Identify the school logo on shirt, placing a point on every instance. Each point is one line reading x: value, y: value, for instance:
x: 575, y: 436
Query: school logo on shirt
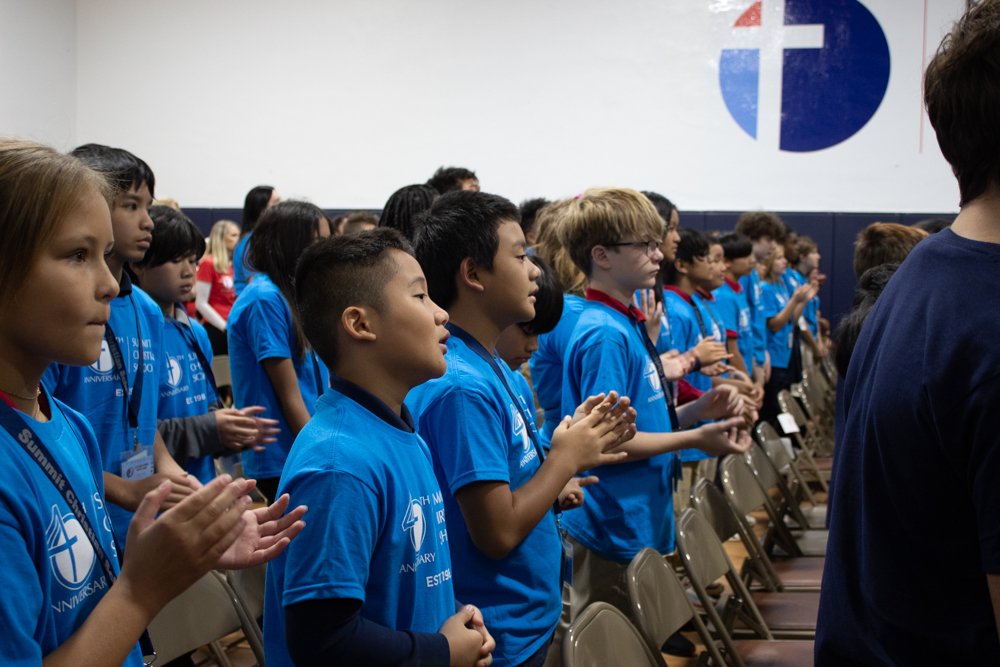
x: 519, y: 429
x: 70, y: 553
x: 227, y: 282
x: 744, y: 320
x: 104, y: 363
x: 415, y: 523
x: 175, y: 370
x: 652, y: 376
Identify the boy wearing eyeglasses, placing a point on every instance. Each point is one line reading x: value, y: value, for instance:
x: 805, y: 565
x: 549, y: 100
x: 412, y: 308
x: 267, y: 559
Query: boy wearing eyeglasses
x: 613, y: 235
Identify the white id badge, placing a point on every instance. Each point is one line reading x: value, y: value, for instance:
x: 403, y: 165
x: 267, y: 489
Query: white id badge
x: 567, y: 547
x: 787, y: 422
x: 137, y: 464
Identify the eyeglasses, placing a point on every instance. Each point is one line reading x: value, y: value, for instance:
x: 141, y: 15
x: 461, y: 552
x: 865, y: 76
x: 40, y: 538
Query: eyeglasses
x: 651, y: 246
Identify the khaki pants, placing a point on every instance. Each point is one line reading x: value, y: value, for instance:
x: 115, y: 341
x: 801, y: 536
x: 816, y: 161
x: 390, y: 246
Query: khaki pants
x: 691, y: 473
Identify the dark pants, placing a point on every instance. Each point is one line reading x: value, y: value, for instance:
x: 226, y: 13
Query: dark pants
x: 538, y: 657
x: 269, y: 488
x: 781, y: 378
x: 218, y: 339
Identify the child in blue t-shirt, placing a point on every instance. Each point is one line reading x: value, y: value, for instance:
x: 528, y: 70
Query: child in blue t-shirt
x: 192, y: 421
x: 271, y: 361
x: 118, y: 393
x: 782, y: 309
x: 500, y: 489
x: 370, y: 579
x: 765, y: 230
x: 614, y: 236
x: 66, y: 599
x: 257, y: 201
x: 732, y: 304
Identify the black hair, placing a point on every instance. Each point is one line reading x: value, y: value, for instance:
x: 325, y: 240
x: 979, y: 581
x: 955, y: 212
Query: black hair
x: 122, y: 169
x: 340, y: 272
x: 460, y: 224
x: 447, y: 179
x: 693, y: 244
x: 933, y: 225
x: 174, y: 238
x: 529, y: 209
x: 404, y: 205
x: 254, y: 204
x: 872, y: 282
x: 283, y: 233
x: 736, y: 245
x: 663, y: 206
x: 548, y: 300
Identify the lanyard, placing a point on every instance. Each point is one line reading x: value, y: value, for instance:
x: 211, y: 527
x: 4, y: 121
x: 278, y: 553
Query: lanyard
x: 206, y: 365
x: 710, y: 314
x: 478, y: 348
x: 22, y: 433
x: 133, y: 400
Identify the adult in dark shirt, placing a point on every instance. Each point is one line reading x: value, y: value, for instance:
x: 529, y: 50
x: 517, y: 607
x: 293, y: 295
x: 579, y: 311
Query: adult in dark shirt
x: 912, y: 571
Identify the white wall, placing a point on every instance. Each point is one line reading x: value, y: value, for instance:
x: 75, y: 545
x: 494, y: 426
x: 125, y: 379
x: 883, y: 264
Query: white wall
x: 38, y: 70
x: 342, y: 102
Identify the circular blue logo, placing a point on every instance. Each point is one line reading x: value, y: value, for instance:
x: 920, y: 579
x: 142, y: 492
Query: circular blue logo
x: 834, y: 71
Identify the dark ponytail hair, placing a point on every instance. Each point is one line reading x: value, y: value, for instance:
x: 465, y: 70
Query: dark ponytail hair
x: 872, y: 282
x: 283, y: 233
x: 253, y: 206
x: 404, y: 205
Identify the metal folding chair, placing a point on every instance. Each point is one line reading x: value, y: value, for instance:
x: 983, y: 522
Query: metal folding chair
x: 603, y: 637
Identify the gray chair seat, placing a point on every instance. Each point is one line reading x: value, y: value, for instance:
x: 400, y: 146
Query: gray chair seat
x: 799, y: 572
x: 787, y: 612
x: 762, y: 653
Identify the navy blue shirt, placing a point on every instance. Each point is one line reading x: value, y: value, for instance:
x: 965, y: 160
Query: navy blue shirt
x: 916, y: 521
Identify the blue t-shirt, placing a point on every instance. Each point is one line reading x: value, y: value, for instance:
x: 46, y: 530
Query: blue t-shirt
x: 96, y: 390
x: 917, y: 470
x: 632, y: 507
x: 683, y: 331
x: 547, y: 366
x: 477, y: 434
x: 260, y: 327
x: 376, y: 530
x: 794, y: 280
x: 779, y: 343
x: 51, y: 575
x: 734, y: 315
x: 755, y: 297
x: 241, y: 274
x: 185, y: 390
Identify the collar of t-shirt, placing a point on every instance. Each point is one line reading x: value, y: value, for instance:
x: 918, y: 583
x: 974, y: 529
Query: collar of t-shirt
x: 369, y: 401
x: 679, y: 292
x: 629, y: 311
x: 125, y: 286
x: 706, y: 296
x: 735, y: 286
x: 180, y: 315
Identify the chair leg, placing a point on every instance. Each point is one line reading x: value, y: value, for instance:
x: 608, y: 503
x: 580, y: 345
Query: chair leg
x: 220, y: 654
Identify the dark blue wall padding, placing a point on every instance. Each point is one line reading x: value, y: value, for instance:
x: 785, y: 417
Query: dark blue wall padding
x: 834, y: 233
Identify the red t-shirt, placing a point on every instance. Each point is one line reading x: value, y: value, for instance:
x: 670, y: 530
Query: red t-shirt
x: 222, y: 296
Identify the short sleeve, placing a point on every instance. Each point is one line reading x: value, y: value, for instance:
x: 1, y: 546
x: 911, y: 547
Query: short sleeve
x: 206, y: 271
x: 201, y: 338
x: 729, y: 314
x: 469, y: 437
x: 978, y: 426
x: 772, y: 306
x: 269, y: 328
x: 343, y: 511
x: 19, y: 612
x: 604, y: 368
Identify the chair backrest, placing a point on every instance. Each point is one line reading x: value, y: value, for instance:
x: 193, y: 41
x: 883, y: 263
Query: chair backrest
x: 788, y: 404
x: 703, y: 554
x: 660, y: 605
x: 250, y: 584
x: 708, y: 501
x: 762, y: 467
x: 220, y: 369
x: 771, y: 443
x: 740, y: 486
x: 200, y: 615
x: 603, y: 637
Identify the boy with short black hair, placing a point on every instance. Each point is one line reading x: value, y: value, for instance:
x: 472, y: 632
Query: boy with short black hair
x: 499, y: 487
x: 449, y: 179
x: 765, y: 230
x: 191, y: 420
x: 614, y: 236
x: 119, y: 393
x: 370, y: 579
x: 921, y: 395
x: 734, y: 309
x: 529, y: 211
